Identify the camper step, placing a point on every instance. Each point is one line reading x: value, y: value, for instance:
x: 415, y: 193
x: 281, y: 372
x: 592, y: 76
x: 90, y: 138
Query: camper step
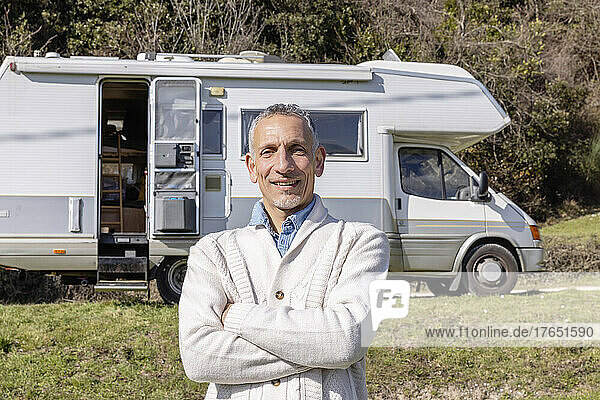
x: 122, y: 265
x: 120, y: 285
x: 123, y: 238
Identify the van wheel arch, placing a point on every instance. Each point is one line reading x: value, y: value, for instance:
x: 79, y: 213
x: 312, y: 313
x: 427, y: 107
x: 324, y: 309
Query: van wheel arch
x: 492, y: 240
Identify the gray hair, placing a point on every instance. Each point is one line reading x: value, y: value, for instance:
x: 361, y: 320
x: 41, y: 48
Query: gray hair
x: 284, y: 109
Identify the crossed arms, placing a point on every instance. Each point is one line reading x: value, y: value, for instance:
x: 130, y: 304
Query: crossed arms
x: 259, y: 342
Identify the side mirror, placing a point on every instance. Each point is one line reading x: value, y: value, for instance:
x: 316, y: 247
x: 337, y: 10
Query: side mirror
x: 479, y: 191
x: 483, y: 185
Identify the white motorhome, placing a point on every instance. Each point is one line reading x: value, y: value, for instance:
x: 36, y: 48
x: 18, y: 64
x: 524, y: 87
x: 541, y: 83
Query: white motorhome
x: 111, y: 169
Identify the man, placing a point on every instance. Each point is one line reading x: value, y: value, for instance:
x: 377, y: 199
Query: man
x: 274, y: 310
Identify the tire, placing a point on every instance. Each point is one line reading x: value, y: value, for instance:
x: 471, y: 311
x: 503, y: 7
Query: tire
x: 441, y: 287
x: 491, y: 270
x: 169, y: 279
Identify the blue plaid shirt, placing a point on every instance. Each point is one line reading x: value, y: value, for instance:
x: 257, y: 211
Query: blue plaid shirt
x: 289, y: 228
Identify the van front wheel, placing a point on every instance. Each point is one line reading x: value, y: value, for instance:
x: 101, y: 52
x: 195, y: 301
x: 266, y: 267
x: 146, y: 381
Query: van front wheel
x: 491, y: 269
x: 169, y: 279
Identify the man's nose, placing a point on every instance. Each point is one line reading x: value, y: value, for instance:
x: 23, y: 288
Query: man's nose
x: 284, y: 162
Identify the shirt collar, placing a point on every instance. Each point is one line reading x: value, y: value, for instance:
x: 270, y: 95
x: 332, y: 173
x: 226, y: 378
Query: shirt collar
x: 260, y: 217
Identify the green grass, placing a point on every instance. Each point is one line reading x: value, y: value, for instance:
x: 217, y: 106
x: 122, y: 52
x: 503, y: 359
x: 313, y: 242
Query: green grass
x: 585, y: 227
x: 129, y: 350
x: 104, y: 350
x: 484, y: 373
x: 510, y: 311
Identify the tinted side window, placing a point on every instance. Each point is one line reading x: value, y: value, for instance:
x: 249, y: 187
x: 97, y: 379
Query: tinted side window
x: 455, y: 178
x: 341, y: 133
x: 212, y: 131
x: 421, y: 172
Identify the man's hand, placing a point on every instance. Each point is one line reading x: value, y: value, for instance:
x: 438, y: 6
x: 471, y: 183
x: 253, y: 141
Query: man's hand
x: 225, y: 313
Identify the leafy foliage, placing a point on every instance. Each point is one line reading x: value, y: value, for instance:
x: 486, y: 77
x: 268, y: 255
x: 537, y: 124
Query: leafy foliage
x: 539, y: 58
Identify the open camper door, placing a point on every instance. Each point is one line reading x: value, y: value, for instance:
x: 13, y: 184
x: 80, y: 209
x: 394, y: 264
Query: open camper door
x: 175, y: 157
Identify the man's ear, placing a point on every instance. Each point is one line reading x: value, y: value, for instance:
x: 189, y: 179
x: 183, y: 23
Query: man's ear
x: 319, y: 161
x: 251, y: 168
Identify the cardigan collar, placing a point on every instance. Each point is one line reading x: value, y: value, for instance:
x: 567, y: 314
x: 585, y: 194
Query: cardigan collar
x: 315, y: 218
x: 260, y: 217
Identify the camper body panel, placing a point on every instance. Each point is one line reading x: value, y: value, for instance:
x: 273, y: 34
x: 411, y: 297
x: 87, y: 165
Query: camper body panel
x: 447, y: 110
x: 360, y: 196
x: 48, y: 129
x: 505, y: 219
x: 48, y: 145
x: 335, y: 187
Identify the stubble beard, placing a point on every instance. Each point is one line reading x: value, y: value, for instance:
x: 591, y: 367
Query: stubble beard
x: 288, y: 203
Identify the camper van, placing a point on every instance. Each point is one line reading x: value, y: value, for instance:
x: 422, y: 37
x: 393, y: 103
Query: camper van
x: 111, y: 169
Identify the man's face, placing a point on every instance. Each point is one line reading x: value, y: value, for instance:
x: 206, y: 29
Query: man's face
x: 284, y: 166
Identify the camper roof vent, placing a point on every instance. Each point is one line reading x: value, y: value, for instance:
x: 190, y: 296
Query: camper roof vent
x: 391, y: 55
x: 153, y: 56
x: 252, y: 56
x: 52, y: 54
x: 174, y: 57
x: 236, y: 60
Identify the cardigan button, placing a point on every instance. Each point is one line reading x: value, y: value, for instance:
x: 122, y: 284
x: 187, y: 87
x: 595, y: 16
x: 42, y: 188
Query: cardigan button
x: 276, y: 382
x: 279, y: 295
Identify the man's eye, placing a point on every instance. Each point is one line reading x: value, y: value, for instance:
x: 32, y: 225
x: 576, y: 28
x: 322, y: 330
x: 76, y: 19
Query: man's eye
x: 299, y: 150
x: 266, y: 152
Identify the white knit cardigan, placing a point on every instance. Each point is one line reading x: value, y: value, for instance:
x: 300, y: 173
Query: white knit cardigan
x: 305, y: 344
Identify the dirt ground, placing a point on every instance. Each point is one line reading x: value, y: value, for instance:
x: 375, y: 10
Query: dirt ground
x: 27, y: 288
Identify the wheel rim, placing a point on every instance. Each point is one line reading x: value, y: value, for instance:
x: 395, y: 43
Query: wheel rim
x: 489, y: 271
x: 176, y: 275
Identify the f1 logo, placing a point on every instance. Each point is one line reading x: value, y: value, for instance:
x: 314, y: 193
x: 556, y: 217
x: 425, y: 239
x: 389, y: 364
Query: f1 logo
x: 389, y: 299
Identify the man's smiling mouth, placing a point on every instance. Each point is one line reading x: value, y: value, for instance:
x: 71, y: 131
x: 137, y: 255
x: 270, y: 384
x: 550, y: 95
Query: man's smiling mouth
x: 286, y: 183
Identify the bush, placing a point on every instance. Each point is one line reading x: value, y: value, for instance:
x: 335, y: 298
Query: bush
x: 568, y: 256
x: 29, y: 287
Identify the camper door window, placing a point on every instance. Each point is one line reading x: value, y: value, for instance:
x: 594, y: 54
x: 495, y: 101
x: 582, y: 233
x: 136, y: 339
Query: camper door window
x: 431, y: 173
x: 176, y: 110
x: 340, y: 132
